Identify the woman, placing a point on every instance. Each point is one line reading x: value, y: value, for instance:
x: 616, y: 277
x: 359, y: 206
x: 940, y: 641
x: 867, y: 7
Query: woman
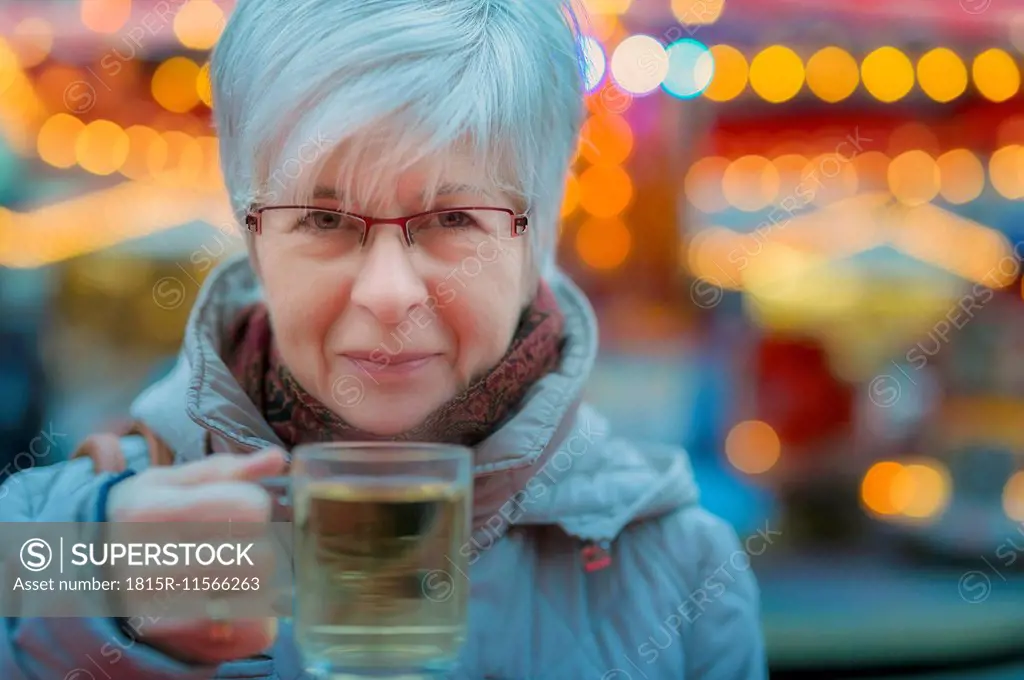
x: 414, y: 296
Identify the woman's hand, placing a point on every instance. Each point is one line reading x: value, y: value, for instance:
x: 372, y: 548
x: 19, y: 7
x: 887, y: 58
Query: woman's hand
x: 215, y: 489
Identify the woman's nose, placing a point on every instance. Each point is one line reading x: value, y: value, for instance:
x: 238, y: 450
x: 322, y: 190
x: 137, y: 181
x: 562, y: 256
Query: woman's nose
x: 388, y: 285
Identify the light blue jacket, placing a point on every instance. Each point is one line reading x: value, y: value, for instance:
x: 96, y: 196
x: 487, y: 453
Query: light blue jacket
x: 678, y: 600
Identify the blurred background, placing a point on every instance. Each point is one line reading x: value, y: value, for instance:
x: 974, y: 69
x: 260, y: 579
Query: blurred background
x: 801, y: 223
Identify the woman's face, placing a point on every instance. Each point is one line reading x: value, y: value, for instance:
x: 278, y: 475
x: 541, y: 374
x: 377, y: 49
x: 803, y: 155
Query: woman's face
x: 385, y: 334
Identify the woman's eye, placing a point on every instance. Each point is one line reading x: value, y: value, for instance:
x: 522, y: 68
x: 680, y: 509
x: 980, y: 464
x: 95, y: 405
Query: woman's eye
x: 324, y: 220
x: 454, y: 220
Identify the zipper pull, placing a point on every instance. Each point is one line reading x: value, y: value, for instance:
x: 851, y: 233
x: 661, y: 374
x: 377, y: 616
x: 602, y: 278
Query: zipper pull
x: 596, y: 555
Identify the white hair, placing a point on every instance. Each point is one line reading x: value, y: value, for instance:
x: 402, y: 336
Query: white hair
x: 397, y: 81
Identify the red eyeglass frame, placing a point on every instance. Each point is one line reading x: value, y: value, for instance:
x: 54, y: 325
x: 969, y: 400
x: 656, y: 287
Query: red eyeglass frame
x: 254, y: 219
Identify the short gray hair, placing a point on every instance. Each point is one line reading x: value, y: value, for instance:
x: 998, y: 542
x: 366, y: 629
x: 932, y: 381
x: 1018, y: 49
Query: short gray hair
x: 293, y: 80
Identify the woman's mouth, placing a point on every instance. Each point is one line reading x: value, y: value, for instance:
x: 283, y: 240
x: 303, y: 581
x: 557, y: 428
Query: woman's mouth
x: 391, y: 365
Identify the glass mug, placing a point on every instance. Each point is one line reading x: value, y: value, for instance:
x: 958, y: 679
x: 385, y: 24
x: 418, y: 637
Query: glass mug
x: 379, y: 565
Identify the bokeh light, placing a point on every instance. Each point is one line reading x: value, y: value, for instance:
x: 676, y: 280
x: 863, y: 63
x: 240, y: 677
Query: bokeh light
x: 777, y: 74
x: 690, y: 69
x: 605, y: 190
x: 32, y: 41
x: 750, y: 183
x: 596, y: 63
x: 887, y: 74
x: 57, y: 139
x: 996, y: 75
x: 184, y: 166
x: 697, y: 12
x: 914, y: 178
x: 1013, y: 497
x: 921, y: 489
x: 963, y: 176
x: 174, y: 85
x: 703, y: 184
x: 730, y: 74
x: 607, y: 6
x: 877, y: 485
x: 872, y: 170
x: 639, y: 64
x: 105, y: 16
x: 606, y: 138
x: 603, y: 244
x: 832, y: 74
x: 1006, y: 171
x: 204, y: 88
x: 942, y: 74
x: 147, y: 153
x: 199, y: 24
x: 753, y: 447
x: 102, y: 147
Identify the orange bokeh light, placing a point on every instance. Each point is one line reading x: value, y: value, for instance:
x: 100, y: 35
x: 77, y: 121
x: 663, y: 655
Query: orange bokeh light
x: 603, y: 244
x: 605, y: 190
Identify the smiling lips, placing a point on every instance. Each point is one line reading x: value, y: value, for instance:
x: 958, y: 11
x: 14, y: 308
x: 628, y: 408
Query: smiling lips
x: 391, y: 364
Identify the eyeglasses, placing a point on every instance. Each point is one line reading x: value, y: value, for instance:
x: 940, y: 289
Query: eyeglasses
x: 439, y: 232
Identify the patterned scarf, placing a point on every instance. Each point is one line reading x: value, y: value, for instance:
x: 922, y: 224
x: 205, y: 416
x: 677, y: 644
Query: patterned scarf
x: 467, y: 419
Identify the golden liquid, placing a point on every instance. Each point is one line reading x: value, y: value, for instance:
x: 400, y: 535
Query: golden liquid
x: 379, y: 572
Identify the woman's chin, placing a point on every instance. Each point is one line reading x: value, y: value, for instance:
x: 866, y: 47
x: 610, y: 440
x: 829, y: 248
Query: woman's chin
x: 384, y: 421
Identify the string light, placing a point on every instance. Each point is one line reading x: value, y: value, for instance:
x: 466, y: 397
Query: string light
x: 690, y: 69
x: 996, y: 75
x: 887, y: 74
x: 942, y: 74
x: 730, y: 74
x: 832, y: 74
x: 777, y: 74
x: 639, y: 64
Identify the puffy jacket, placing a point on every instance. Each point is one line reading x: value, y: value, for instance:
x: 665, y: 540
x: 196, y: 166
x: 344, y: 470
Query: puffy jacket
x: 677, y: 600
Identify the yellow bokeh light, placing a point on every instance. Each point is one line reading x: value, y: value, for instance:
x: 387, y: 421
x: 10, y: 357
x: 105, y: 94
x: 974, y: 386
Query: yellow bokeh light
x: 921, y: 490
x: 829, y: 177
x: 605, y: 190
x: 32, y: 41
x: 184, y: 165
x: 963, y: 176
x: 607, y: 6
x: 603, y: 244
x: 753, y: 447
x: 697, y: 12
x: 204, y: 88
x: 790, y: 167
x: 174, y: 85
x: 872, y: 170
x: 1013, y: 497
x: 730, y: 74
x: 105, y: 16
x: 942, y: 74
x: 1006, y: 171
x: 703, y: 184
x: 147, y: 153
x: 887, y: 74
x: 199, y: 23
x: 714, y: 255
x: 914, y: 178
x: 57, y: 139
x: 639, y: 64
x: 102, y: 147
x: 996, y: 75
x: 876, y: 488
x: 750, y: 183
x: 606, y: 138
x: 777, y: 74
x: 832, y: 74
x: 571, y: 200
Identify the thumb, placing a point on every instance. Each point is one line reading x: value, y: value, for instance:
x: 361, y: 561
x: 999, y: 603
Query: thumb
x: 222, y: 467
